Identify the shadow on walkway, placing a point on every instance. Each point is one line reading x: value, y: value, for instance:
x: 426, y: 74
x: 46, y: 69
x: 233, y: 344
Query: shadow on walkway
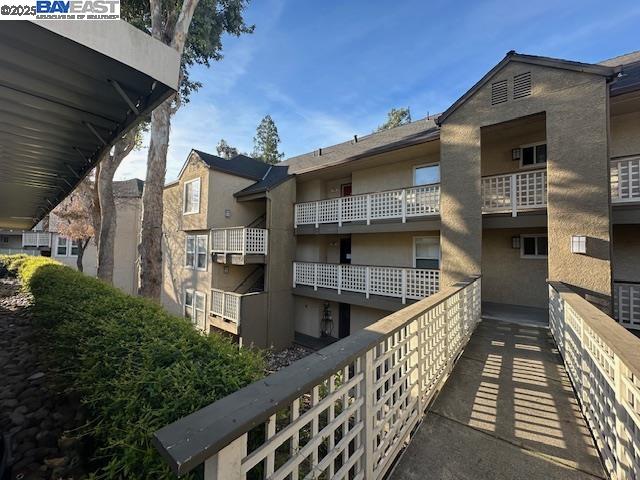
x: 508, y: 411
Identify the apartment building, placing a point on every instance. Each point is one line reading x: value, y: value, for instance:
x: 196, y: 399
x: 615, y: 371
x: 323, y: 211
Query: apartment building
x: 45, y: 240
x: 228, y: 248
x: 531, y: 175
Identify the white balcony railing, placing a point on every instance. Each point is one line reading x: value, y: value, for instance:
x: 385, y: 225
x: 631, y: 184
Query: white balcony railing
x: 625, y: 180
x: 392, y: 204
x: 347, y: 412
x: 226, y: 305
x: 239, y: 240
x: 36, y: 239
x: 602, y: 362
x: 514, y: 192
x: 404, y: 283
x: 18, y: 251
x: 626, y: 305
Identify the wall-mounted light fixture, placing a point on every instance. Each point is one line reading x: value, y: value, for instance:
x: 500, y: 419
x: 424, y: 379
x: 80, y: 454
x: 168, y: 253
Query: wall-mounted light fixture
x: 226, y: 269
x: 515, y: 242
x: 227, y: 213
x: 579, y: 244
x: 515, y: 153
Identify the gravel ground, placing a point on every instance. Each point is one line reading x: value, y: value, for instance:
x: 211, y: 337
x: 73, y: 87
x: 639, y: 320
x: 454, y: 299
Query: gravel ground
x: 31, y: 415
x: 278, y: 360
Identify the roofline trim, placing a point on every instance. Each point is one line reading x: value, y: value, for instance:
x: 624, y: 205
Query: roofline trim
x: 591, y: 68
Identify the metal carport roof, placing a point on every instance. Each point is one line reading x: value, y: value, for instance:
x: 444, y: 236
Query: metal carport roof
x: 68, y: 90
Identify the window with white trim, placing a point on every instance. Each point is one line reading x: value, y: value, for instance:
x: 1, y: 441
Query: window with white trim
x: 426, y: 252
x: 195, y: 307
x: 532, y: 155
x: 196, y: 251
x: 426, y: 174
x: 191, y: 196
x: 534, y: 246
x: 62, y: 246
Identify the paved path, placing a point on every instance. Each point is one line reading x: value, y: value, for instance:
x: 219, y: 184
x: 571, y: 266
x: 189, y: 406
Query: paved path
x: 507, y: 412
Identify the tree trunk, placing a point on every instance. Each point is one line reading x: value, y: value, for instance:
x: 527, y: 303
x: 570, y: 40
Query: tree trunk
x: 108, y: 224
x: 95, y: 211
x: 150, y: 247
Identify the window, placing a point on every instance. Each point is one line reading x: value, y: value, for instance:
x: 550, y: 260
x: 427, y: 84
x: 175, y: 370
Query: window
x: 426, y: 252
x: 533, y: 155
x: 534, y: 246
x: 62, y: 247
x: 194, y: 307
x: 74, y: 248
x: 196, y: 251
x: 191, y: 200
x: 4, y: 239
x: 426, y: 174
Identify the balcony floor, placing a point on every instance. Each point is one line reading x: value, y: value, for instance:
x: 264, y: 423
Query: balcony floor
x: 508, y: 411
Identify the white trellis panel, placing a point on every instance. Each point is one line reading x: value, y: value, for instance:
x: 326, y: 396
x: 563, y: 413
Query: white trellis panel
x: 626, y: 304
x: 352, y: 422
x: 239, y: 240
x: 531, y: 189
x: 226, y: 305
x: 424, y: 200
x: 625, y: 180
x: 605, y: 375
x: 496, y: 193
x: 514, y: 192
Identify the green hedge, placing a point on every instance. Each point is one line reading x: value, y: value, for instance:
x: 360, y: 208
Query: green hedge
x: 135, y: 367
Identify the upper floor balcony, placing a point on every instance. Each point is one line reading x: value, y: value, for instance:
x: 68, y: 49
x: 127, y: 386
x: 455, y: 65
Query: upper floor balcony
x: 625, y: 180
x: 230, y: 309
x: 367, y: 280
x: 514, y: 192
x: 391, y: 205
x: 239, y: 245
x: 36, y: 239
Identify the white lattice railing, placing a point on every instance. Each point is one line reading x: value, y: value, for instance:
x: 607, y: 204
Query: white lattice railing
x: 345, y: 412
x: 226, y: 305
x: 601, y: 358
x: 514, y: 192
x: 36, y: 239
x: 625, y: 180
x: 239, y: 240
x: 626, y: 304
x: 413, y: 283
x: 18, y: 251
x: 392, y: 204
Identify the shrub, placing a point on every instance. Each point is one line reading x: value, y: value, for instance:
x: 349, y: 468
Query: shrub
x: 135, y: 367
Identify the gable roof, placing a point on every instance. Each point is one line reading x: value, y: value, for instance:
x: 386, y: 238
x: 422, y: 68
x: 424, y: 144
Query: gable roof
x: 274, y: 177
x: 413, y: 133
x: 512, y: 56
x: 240, y: 165
x: 629, y: 78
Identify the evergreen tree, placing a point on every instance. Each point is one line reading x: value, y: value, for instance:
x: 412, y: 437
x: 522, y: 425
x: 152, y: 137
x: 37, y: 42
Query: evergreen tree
x: 265, y: 143
x: 395, y: 118
x: 225, y: 150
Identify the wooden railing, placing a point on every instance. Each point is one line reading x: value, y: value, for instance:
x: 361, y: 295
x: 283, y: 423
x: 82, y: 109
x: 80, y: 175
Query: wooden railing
x: 625, y: 180
x: 344, y: 412
x: 239, y: 240
x: 626, y: 304
x: 603, y: 363
x: 401, y: 204
x: 36, y: 239
x: 399, y: 282
x: 226, y: 305
x: 514, y: 192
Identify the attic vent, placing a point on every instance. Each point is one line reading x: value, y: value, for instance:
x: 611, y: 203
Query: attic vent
x: 498, y: 92
x: 522, y: 85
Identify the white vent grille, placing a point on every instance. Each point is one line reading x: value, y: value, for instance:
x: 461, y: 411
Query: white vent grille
x: 522, y: 85
x: 498, y: 92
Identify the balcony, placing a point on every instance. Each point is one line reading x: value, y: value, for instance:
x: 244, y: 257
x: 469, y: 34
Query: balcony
x: 626, y: 305
x: 392, y: 205
x: 514, y: 193
x: 228, y: 309
x: 36, y: 239
x: 239, y: 245
x: 395, y: 282
x: 625, y: 180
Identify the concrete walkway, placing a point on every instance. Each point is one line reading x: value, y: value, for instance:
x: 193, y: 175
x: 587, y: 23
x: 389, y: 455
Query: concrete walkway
x: 507, y: 412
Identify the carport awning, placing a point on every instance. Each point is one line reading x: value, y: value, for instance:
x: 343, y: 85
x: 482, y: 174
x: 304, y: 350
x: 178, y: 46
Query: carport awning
x: 68, y: 90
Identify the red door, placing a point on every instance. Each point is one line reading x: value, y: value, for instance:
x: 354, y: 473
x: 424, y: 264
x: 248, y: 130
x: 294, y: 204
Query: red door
x: 346, y: 190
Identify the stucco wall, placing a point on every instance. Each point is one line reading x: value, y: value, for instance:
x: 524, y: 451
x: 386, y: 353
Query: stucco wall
x: 625, y: 134
x: 626, y: 253
x: 362, y: 317
x: 220, y: 197
x: 576, y: 107
x: 385, y: 249
x: 307, y: 315
x: 508, y: 278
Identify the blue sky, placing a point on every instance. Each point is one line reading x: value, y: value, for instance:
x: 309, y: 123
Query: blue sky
x: 326, y: 70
